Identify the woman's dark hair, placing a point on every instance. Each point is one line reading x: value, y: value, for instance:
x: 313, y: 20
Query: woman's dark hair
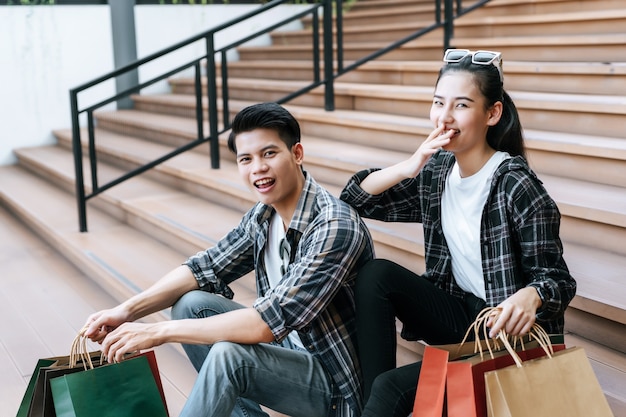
x: 507, y: 134
x: 266, y: 116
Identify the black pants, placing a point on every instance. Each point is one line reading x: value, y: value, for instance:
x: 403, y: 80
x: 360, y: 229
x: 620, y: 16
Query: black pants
x: 384, y: 291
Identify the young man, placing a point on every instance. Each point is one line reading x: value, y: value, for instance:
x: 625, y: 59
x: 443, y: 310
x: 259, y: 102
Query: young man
x: 294, y: 351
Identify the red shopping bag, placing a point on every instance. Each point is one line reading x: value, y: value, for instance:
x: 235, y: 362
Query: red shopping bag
x: 431, y: 383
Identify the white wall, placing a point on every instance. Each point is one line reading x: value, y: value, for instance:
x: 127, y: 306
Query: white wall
x: 47, y: 50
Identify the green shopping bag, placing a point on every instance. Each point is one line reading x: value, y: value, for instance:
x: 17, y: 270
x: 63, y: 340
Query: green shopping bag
x: 123, y: 389
x: 28, y: 395
x: 37, y: 399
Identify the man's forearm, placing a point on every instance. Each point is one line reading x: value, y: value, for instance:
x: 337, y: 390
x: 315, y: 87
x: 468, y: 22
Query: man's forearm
x: 162, y: 294
x: 244, y: 326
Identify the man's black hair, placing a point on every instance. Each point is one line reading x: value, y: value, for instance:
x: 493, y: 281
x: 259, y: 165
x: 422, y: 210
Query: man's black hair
x: 267, y: 116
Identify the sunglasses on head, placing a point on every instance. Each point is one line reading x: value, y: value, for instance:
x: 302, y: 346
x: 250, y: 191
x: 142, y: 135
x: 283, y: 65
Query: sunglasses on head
x: 478, y: 57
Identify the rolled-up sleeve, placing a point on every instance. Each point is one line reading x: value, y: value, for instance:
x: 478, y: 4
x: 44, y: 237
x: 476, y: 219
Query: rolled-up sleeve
x: 231, y: 258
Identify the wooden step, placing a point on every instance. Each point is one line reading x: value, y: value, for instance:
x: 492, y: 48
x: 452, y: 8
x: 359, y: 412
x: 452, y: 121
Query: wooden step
x: 610, y: 302
x: 596, y: 303
x: 361, y: 5
x: 597, y: 158
x: 575, y: 48
x: 573, y: 22
x: 540, y: 7
x: 139, y: 215
x: 607, y: 78
x: 390, y: 14
x: 48, y: 312
x: 384, y: 32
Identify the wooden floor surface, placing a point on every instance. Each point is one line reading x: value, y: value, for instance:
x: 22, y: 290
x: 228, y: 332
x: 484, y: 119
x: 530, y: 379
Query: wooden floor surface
x: 44, y: 301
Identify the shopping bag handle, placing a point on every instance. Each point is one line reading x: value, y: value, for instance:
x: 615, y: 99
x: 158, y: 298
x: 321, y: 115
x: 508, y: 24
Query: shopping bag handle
x: 502, y: 339
x: 80, y: 352
x: 538, y: 333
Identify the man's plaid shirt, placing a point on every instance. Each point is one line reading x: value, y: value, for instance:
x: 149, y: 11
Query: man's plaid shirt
x: 315, y: 297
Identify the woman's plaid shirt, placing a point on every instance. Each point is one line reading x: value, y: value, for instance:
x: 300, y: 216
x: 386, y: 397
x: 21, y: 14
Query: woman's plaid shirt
x: 519, y: 234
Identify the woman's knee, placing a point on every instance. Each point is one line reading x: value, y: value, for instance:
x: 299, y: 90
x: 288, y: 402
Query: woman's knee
x: 373, y: 276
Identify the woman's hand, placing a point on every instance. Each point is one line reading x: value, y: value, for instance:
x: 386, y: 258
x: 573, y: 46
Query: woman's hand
x: 516, y: 313
x: 436, y: 140
x: 380, y: 181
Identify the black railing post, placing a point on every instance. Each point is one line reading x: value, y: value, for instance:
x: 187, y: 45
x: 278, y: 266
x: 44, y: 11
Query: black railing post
x: 315, y: 23
x: 448, y: 23
x: 339, y: 28
x: 438, y: 11
x: 93, y: 160
x: 211, y: 87
x: 78, y: 163
x: 329, y: 96
x: 225, y: 94
x: 199, y: 109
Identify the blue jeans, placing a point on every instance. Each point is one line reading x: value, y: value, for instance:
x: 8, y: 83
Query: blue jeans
x: 233, y: 379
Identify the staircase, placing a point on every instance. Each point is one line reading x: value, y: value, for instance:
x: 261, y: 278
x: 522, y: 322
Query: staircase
x: 564, y: 66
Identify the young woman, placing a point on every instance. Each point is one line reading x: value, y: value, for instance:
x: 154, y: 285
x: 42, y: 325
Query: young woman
x: 491, y: 233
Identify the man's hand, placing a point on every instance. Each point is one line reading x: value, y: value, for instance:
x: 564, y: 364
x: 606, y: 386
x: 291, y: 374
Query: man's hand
x: 130, y: 338
x: 99, y: 324
x: 517, y: 313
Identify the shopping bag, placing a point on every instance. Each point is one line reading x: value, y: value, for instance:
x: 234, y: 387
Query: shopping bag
x: 37, y: 400
x: 465, y: 385
x: 22, y: 411
x: 124, y: 389
x: 431, y: 383
x: 562, y: 384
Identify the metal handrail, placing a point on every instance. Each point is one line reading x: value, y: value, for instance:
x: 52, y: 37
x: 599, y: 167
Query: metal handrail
x: 330, y: 47
x: 208, y: 58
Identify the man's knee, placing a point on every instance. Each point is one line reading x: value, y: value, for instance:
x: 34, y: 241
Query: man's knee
x: 195, y: 304
x: 225, y: 359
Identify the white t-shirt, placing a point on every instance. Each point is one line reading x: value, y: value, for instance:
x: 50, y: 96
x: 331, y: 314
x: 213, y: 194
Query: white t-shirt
x: 462, y: 207
x: 274, y: 263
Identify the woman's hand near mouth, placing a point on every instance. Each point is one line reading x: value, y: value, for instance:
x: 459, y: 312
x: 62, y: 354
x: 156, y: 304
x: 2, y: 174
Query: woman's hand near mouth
x: 437, y: 139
